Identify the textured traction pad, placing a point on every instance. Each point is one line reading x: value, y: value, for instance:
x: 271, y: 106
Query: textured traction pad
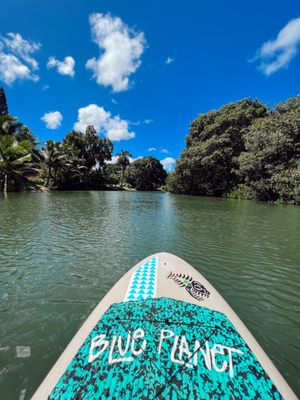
x: 143, y: 281
x: 167, y: 349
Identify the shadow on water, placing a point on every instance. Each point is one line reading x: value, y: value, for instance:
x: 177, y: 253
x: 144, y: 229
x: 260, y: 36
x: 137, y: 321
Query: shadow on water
x: 61, y: 252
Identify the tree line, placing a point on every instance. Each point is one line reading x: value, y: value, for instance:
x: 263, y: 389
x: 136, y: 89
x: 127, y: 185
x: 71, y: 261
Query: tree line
x: 80, y: 161
x: 243, y: 150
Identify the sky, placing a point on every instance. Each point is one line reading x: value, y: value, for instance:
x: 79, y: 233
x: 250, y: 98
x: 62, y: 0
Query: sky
x: 140, y: 71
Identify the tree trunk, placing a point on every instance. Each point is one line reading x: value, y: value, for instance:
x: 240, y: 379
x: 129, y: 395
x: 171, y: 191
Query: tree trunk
x: 48, y: 177
x: 5, y: 183
x: 122, y: 177
x: 55, y: 177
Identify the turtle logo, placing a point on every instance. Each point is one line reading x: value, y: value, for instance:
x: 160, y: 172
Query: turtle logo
x: 194, y: 288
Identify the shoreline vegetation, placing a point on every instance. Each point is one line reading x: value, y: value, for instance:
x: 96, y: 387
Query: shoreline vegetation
x: 244, y: 150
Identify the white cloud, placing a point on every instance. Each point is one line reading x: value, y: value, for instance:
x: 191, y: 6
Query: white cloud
x: 114, y: 128
x: 122, y: 48
x: 278, y: 53
x: 52, y: 119
x: 21, y: 48
x: 168, y: 163
x: 16, y: 61
x: 162, y: 150
x: 114, y: 101
x: 117, y: 129
x: 46, y: 87
x: 170, y: 60
x: 135, y: 123
x: 114, y: 159
x: 145, y: 121
x: 65, y: 67
x: 11, y: 69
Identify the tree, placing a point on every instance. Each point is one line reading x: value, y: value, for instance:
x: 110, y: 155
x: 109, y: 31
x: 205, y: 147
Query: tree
x: 3, y: 103
x: 52, y: 155
x: 123, y: 161
x: 9, y: 125
x: 209, y: 164
x: 270, y: 166
x: 112, y: 174
x: 17, y: 149
x: 90, y: 147
x: 89, y: 153
x: 146, y: 173
x: 60, y: 167
x: 15, y: 158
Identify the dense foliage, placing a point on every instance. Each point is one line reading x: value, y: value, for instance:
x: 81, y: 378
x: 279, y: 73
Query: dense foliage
x: 146, y: 173
x: 17, y: 154
x: 77, y: 162
x: 80, y: 161
x: 243, y: 150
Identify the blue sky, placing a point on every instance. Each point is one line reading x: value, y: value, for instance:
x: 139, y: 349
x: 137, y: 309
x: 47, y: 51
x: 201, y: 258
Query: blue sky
x: 143, y: 70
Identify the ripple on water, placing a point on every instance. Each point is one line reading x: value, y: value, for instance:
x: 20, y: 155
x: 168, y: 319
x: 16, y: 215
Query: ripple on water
x: 61, y: 252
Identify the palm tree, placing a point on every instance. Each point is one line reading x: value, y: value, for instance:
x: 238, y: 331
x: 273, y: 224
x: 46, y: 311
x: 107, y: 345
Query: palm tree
x: 59, y: 162
x: 9, y: 125
x: 123, y: 161
x: 53, y: 156
x: 15, y: 158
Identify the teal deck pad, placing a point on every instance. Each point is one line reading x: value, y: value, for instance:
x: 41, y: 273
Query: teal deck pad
x: 143, y: 281
x: 164, y: 349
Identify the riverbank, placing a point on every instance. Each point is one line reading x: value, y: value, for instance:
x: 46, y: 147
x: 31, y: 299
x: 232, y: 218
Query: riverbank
x: 238, y: 195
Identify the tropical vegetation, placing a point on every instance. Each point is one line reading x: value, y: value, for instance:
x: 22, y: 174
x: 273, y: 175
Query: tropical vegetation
x: 123, y: 161
x: 80, y: 161
x: 146, y: 173
x: 243, y: 150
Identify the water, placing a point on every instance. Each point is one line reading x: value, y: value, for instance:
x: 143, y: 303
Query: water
x: 61, y: 252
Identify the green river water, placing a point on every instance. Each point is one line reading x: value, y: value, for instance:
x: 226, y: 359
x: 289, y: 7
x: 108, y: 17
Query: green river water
x: 61, y: 252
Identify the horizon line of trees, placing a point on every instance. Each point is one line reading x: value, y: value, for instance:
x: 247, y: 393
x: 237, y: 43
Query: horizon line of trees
x: 80, y: 161
x: 244, y: 150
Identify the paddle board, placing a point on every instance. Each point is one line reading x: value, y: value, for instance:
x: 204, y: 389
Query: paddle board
x: 163, y: 332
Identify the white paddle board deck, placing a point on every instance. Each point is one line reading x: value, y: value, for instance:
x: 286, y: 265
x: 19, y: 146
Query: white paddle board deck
x: 163, y: 331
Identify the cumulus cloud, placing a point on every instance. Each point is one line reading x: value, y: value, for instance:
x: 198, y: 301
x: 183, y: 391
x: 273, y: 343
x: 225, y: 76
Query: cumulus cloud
x: 152, y: 149
x: 121, y: 48
x: 65, y: 67
x: 114, y: 128
x: 165, y: 151
x: 52, y: 119
x: 168, y: 163
x: 16, y: 61
x: 169, y: 60
x: 278, y: 53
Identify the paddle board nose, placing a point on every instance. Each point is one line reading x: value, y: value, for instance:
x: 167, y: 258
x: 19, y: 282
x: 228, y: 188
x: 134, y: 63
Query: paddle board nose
x: 163, y: 331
